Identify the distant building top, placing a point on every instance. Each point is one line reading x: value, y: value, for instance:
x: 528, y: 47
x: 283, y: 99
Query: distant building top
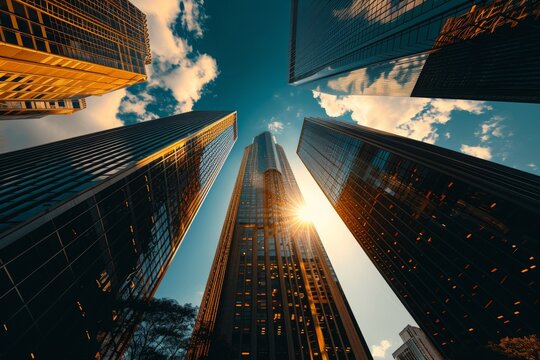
x: 416, y: 346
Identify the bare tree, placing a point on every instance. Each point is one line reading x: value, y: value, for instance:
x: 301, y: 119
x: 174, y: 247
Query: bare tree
x: 164, y: 330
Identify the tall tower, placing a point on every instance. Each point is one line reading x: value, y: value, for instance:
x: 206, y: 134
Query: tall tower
x: 89, y: 226
x: 416, y: 346
x: 54, y: 53
x: 455, y: 237
x: 272, y: 292
x: 457, y: 49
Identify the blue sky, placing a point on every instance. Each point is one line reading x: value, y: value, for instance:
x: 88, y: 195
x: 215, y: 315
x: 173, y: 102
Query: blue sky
x: 233, y: 55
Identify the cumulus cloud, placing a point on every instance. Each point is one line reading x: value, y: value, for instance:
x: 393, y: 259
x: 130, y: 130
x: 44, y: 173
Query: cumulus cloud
x: 132, y: 104
x: 416, y: 118
x: 176, y: 66
x: 188, y: 80
x: 490, y: 128
x: 192, y: 16
x: 397, y: 77
x: 276, y: 127
x: 99, y: 115
x: 380, y: 350
x: 483, y: 152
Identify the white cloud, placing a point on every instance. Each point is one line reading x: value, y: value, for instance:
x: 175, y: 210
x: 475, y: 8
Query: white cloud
x: 100, y: 114
x: 132, y: 104
x: 192, y: 16
x: 176, y: 66
x: 397, y: 77
x: 533, y: 166
x: 380, y: 350
x: 188, y: 80
x: 415, y: 118
x: 447, y: 135
x: 160, y: 19
x: 490, y: 128
x: 497, y: 132
x: 483, y: 152
x: 276, y: 127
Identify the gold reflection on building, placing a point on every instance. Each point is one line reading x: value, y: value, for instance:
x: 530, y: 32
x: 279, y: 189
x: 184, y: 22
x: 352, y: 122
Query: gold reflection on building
x: 53, y: 53
x: 486, y: 19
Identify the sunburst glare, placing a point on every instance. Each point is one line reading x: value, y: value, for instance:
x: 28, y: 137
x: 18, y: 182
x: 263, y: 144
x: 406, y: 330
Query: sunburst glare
x: 304, y: 214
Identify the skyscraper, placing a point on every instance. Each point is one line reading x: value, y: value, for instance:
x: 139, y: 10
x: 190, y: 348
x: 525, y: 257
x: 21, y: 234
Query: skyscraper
x: 54, y: 53
x: 89, y: 226
x: 459, y: 49
x: 455, y: 237
x: 272, y: 292
x: 416, y: 346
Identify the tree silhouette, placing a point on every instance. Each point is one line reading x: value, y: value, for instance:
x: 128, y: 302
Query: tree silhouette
x: 527, y: 347
x: 163, y: 332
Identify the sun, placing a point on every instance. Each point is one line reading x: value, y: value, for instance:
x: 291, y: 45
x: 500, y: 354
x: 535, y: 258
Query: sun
x: 304, y: 214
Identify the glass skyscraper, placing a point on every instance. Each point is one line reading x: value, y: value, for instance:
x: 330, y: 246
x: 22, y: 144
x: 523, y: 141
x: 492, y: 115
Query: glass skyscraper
x: 460, y: 49
x: 89, y: 226
x: 272, y: 292
x: 455, y: 237
x: 54, y: 53
x: 416, y: 346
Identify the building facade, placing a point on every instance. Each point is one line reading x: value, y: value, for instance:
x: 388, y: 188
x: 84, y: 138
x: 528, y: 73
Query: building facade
x: 416, y: 346
x: 272, y: 292
x: 459, y: 49
x: 455, y: 237
x: 89, y: 226
x: 54, y: 53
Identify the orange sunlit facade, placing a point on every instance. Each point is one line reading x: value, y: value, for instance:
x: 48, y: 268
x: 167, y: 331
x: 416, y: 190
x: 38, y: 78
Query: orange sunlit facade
x: 54, y: 53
